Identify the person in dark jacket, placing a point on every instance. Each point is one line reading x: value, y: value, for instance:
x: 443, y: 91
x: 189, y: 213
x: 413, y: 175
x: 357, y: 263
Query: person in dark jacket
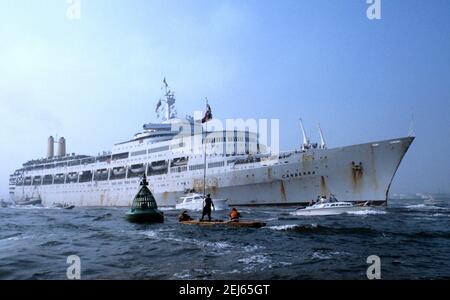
x: 207, y: 203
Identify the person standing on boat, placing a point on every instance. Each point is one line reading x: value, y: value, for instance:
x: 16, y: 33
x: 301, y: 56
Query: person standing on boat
x: 207, y: 203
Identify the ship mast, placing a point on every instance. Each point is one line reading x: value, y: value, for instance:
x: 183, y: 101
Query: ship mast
x: 204, y: 156
x: 166, y: 105
x: 323, y: 145
x: 306, y: 144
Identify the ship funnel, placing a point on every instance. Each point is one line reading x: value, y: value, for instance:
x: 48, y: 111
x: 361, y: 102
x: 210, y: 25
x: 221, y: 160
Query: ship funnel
x: 62, y: 147
x: 323, y: 145
x: 50, y: 147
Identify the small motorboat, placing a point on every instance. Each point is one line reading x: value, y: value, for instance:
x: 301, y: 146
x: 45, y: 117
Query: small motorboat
x: 65, y: 205
x: 195, y: 201
x: 330, y: 206
x: 30, y: 201
x: 144, y: 208
x: 241, y: 223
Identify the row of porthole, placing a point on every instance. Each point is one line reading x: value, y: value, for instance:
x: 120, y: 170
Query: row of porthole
x: 298, y: 174
x: 92, y: 191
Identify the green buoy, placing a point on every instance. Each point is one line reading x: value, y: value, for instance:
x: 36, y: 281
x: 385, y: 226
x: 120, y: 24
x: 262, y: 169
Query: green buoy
x: 144, y: 208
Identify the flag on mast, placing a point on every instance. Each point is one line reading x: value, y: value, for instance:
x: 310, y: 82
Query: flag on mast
x: 208, y: 114
x: 158, y: 105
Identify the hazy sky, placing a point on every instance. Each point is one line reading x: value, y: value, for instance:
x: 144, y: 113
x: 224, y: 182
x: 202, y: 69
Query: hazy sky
x: 96, y: 80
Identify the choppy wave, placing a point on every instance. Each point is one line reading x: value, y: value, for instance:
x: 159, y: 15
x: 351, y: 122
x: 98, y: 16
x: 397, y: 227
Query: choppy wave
x: 327, y: 254
x: 102, y: 217
x: 440, y: 215
x: 284, y: 227
x: 426, y: 206
x: 255, y: 259
x: 183, y: 275
x: 326, y: 230
x: 165, y: 236
x: 367, y: 212
x: 15, y: 237
x: 29, y: 207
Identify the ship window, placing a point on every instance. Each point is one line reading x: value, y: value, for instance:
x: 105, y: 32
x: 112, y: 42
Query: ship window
x: 137, y: 153
x: 74, y: 163
x: 37, y: 180
x: 27, y: 180
x: 117, y: 156
x: 158, y: 149
x: 216, y: 164
x: 103, y: 158
x: 196, y: 167
x: 59, y: 179
x: 48, y: 179
x: 178, y: 169
x: 177, y: 145
x: 90, y: 160
x: 86, y: 176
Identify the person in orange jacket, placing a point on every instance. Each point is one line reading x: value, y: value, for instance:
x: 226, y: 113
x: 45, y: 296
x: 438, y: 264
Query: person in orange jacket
x: 234, y: 215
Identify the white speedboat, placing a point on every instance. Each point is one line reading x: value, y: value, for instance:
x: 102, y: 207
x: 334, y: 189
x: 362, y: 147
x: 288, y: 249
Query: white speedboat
x: 330, y: 208
x: 195, y: 202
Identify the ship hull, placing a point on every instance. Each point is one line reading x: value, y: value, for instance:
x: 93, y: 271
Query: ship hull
x: 357, y: 173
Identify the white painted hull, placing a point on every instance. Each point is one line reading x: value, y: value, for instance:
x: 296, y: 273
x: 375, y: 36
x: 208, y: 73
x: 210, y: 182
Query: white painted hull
x: 296, y: 179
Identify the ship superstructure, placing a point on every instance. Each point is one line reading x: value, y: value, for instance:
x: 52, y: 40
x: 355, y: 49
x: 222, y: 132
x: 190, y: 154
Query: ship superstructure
x: 171, y: 154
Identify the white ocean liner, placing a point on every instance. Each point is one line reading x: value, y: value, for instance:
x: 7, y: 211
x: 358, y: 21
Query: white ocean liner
x: 174, y: 163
